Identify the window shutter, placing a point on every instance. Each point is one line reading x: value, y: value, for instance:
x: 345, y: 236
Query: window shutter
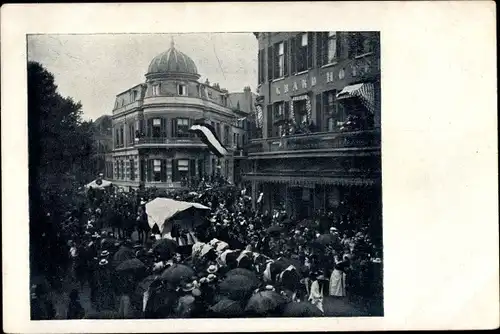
x: 309, y: 49
x: 319, y: 112
x: 293, y: 56
x: 326, y: 109
x: 286, y: 55
x: 190, y: 124
x: 270, y: 63
x: 259, y: 57
x: 163, y: 170
x: 339, y: 45
x: 286, y: 108
x: 269, y: 120
x: 149, y: 170
x: 174, y: 170
x: 164, y: 127
x: 276, y: 60
x: 192, y: 167
x: 319, y: 49
x: 149, y: 127
x: 263, y: 64
x: 174, y: 127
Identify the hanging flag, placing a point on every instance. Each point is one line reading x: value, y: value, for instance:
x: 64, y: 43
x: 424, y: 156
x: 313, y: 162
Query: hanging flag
x: 208, y: 135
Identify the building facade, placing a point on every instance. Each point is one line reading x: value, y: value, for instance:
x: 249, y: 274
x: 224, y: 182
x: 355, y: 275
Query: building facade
x: 103, y: 145
x: 317, y: 144
x: 152, y: 145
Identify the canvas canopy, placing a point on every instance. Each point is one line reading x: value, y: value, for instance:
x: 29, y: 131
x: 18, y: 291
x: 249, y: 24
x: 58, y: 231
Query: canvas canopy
x: 161, y: 209
x: 98, y: 184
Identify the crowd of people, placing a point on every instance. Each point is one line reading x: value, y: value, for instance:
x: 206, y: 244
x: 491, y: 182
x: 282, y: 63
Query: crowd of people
x: 245, y: 263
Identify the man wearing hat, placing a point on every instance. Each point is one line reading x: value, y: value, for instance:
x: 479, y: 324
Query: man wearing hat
x: 186, y: 300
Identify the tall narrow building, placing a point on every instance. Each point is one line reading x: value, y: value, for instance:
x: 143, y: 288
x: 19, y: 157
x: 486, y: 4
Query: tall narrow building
x: 318, y: 144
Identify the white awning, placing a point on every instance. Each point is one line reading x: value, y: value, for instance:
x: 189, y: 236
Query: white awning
x: 364, y: 91
x: 349, y: 91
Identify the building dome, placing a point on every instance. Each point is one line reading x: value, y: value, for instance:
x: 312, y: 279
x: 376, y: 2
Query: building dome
x: 172, y: 62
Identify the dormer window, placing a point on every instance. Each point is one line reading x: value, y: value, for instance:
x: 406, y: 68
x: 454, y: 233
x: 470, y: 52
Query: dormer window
x: 156, y: 89
x: 182, y: 90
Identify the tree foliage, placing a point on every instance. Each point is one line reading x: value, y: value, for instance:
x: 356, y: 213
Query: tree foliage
x: 60, y: 150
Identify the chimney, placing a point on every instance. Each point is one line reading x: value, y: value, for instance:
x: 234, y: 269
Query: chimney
x: 247, y: 92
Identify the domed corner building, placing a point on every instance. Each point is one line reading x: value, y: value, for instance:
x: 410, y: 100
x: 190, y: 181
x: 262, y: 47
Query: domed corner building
x: 151, y: 143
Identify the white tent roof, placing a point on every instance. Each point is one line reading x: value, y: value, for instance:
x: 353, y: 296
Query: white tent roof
x: 94, y: 184
x: 161, y: 209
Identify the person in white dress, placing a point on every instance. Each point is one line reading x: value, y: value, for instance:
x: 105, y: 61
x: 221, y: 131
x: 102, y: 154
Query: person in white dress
x: 316, y: 292
x: 338, y: 278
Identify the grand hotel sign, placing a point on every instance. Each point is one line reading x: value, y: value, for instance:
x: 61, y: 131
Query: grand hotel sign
x: 336, y: 76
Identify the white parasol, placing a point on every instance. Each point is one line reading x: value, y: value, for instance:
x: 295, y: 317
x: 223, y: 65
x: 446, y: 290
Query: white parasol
x: 161, y: 209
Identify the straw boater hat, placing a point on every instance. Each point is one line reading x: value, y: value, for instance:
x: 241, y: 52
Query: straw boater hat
x: 212, y: 269
x: 187, y: 287
x: 104, y: 253
x: 270, y: 288
x: 103, y: 262
x: 211, y: 278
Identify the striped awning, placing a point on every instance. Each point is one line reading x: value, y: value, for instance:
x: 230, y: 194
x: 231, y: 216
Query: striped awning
x: 364, y: 91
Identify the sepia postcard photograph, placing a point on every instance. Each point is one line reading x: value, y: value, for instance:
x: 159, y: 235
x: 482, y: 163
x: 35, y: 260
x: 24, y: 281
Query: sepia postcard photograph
x: 202, y: 176
x: 241, y: 177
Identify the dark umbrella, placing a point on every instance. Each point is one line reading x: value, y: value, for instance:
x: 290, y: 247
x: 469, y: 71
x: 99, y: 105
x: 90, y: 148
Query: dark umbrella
x: 227, y: 308
x: 108, y: 243
x: 301, y: 309
x: 176, y: 273
x: 275, y: 229
x: 143, y: 285
x: 237, y: 287
x: 134, y: 265
x: 165, y: 247
x: 242, y: 272
x: 123, y: 254
x: 283, y: 263
x: 161, y: 304
x: 340, y: 307
x: 265, y: 303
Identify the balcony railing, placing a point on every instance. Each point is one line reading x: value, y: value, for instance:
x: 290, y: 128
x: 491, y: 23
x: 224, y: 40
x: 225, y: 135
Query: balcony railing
x: 171, y: 141
x: 315, y: 141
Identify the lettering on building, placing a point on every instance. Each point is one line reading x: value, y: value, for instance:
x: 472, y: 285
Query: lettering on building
x: 285, y: 88
x: 304, y: 83
x: 295, y: 86
x: 278, y: 91
x: 313, y: 81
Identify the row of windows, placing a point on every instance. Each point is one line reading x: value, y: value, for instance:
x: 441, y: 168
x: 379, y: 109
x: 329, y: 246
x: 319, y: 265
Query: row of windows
x: 157, y: 128
x: 181, y: 90
x: 296, y: 54
x: 330, y: 114
x: 125, y: 170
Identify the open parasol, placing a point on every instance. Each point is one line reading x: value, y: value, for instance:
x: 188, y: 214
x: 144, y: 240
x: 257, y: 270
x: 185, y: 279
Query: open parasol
x: 265, y: 303
x: 123, y: 254
x: 161, y: 209
x: 301, y: 309
x: 237, y: 287
x: 242, y: 272
x: 164, y: 247
x: 176, y: 273
x: 227, y: 308
x: 132, y: 266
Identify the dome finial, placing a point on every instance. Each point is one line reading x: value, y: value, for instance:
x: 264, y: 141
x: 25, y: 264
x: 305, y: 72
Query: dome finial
x: 172, y: 44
